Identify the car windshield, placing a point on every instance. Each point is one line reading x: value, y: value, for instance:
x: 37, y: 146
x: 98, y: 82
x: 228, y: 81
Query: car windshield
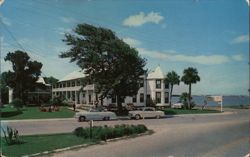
x: 149, y: 109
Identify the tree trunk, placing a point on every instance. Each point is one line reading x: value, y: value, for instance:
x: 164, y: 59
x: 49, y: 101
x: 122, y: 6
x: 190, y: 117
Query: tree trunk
x: 170, y: 99
x: 119, y: 104
x: 189, y: 97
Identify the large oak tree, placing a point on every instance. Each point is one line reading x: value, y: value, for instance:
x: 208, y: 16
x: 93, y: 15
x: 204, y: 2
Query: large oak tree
x: 24, y: 75
x: 108, y: 62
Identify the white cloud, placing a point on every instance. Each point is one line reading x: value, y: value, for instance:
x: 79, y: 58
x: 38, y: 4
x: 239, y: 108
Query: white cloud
x: 241, y: 39
x: 237, y: 57
x: 201, y: 59
x: 5, y: 20
x: 248, y: 3
x: 1, y: 2
x: 67, y: 19
x: 62, y: 30
x: 131, y: 41
x: 141, y: 18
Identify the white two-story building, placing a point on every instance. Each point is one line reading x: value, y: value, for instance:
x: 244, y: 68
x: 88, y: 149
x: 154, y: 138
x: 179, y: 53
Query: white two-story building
x: 152, y: 87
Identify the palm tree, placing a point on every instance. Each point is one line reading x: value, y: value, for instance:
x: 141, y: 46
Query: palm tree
x: 190, y: 75
x: 172, y: 78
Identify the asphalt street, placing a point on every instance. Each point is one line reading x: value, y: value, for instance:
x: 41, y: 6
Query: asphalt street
x: 223, y: 135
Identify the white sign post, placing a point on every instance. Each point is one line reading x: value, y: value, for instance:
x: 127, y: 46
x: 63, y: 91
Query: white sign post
x: 218, y: 99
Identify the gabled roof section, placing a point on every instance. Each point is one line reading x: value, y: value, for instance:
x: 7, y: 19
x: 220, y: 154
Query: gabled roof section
x: 74, y: 75
x: 156, y: 74
x: 42, y: 81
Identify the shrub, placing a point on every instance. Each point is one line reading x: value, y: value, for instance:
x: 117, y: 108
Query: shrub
x: 12, y: 136
x: 104, y: 133
x: 58, y: 101
x: 81, y: 132
x: 17, y: 103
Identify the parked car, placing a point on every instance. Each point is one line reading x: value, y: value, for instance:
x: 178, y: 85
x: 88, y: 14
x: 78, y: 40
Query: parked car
x: 146, y: 112
x: 178, y: 105
x: 95, y: 114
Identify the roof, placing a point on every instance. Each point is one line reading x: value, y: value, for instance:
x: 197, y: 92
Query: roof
x: 156, y: 74
x: 42, y: 81
x: 74, y: 75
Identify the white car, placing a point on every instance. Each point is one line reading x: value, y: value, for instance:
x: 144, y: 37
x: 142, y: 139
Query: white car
x: 146, y: 112
x: 95, y: 114
x: 178, y: 105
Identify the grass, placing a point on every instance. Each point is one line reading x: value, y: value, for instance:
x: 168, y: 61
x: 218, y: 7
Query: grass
x: 171, y: 111
x: 40, y: 143
x: 34, y: 113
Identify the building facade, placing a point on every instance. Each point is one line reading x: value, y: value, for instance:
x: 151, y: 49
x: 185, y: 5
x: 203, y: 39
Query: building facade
x: 152, y: 88
x: 40, y: 94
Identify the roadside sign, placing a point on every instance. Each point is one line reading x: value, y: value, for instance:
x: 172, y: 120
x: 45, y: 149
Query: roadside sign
x: 218, y: 99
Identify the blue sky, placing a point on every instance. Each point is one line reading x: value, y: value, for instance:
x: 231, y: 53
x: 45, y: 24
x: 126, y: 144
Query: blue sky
x: 210, y: 35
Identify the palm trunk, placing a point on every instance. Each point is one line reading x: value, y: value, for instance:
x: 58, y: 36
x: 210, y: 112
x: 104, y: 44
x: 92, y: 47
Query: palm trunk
x: 189, y: 96
x: 170, y: 99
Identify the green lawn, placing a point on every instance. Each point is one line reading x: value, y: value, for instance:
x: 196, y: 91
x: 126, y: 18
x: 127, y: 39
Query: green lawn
x: 33, y: 144
x: 40, y: 143
x: 9, y: 113
x: 171, y: 111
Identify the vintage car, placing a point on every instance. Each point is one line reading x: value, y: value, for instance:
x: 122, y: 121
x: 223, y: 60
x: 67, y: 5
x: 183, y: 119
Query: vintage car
x: 146, y: 112
x: 95, y: 114
x: 178, y: 105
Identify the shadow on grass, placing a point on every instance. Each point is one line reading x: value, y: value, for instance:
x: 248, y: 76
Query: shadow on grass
x: 10, y: 113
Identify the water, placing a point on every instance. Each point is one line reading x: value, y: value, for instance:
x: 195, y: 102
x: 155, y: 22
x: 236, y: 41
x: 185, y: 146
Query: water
x: 227, y: 100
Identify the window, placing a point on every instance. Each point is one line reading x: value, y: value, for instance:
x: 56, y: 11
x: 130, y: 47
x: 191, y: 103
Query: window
x: 73, y: 83
x: 134, y: 99
x: 166, y: 85
x: 141, y: 83
x: 141, y: 97
x: 158, y: 97
x: 90, y: 99
x: 78, y: 82
x: 166, y: 97
x: 64, y: 84
x: 68, y: 84
x: 158, y: 84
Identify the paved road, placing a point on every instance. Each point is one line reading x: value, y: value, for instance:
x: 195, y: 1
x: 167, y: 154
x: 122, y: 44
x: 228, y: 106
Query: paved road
x: 192, y: 135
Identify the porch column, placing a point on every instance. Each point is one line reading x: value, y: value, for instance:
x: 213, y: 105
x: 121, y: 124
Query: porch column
x: 75, y: 97
x: 87, y: 97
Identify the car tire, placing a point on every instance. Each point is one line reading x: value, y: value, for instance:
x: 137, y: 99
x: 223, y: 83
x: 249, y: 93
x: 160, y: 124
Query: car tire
x: 81, y: 118
x: 137, y: 117
x: 106, y: 118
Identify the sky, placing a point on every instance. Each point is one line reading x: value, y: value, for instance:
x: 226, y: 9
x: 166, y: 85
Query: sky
x: 209, y: 35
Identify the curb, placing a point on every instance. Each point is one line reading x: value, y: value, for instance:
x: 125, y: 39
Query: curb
x: 149, y: 132
x: 203, y: 114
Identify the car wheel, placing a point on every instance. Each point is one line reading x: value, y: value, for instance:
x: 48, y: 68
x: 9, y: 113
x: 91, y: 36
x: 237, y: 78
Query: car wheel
x: 137, y: 116
x: 158, y: 116
x: 81, y: 118
x: 106, y: 118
